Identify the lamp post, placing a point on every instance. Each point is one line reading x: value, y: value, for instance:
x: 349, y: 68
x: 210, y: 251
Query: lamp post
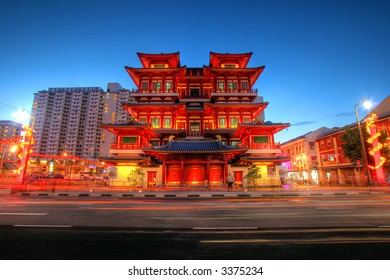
x: 367, y: 104
x: 22, y: 175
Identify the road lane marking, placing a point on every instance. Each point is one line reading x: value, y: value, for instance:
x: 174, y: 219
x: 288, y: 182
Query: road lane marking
x: 224, y: 228
x: 23, y: 214
x: 337, y: 240
x: 336, y: 208
x: 45, y: 226
x: 216, y: 209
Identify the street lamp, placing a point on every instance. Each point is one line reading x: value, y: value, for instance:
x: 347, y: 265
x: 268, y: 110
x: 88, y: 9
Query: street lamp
x: 367, y: 105
x: 22, y: 175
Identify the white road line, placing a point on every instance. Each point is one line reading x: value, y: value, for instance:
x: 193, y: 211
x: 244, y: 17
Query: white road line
x: 223, y: 228
x: 216, y: 209
x: 45, y: 226
x: 335, y: 208
x: 23, y: 214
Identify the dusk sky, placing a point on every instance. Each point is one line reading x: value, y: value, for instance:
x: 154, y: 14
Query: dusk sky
x: 321, y: 57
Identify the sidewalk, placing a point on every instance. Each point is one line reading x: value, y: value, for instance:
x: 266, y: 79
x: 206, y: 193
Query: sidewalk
x: 176, y: 192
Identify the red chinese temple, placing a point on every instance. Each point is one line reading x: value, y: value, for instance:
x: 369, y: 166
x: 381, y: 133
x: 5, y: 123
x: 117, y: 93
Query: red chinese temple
x: 194, y: 126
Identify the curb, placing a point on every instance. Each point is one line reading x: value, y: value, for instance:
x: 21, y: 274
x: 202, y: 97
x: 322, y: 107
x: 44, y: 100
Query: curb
x: 187, y: 195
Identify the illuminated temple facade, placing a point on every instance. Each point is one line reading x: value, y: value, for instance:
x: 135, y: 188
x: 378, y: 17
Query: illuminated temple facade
x: 195, y: 125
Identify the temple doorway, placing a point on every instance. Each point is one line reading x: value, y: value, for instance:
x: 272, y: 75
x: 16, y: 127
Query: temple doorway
x: 195, y: 173
x: 151, y: 179
x: 216, y: 174
x: 173, y: 174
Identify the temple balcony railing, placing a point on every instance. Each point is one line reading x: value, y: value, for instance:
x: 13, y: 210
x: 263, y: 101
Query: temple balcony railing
x: 119, y: 146
x: 194, y: 134
x: 116, y: 148
x: 243, y: 95
x: 235, y: 91
x: 265, y: 146
x: 274, y: 148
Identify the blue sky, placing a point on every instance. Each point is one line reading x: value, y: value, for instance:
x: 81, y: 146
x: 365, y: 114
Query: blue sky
x: 321, y: 57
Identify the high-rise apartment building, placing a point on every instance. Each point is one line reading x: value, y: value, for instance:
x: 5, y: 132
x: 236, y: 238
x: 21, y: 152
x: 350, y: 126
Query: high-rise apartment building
x: 67, y: 120
x: 9, y: 130
x: 113, y: 113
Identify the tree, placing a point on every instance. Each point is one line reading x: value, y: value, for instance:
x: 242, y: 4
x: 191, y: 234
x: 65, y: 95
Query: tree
x: 136, y: 177
x: 352, y: 147
x: 253, y: 175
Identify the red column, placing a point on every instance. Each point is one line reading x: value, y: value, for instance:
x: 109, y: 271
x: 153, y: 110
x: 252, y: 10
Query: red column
x: 226, y: 170
x: 163, y: 178
x: 182, y: 177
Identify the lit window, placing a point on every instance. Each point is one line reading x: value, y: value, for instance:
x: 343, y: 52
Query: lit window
x: 167, y: 122
x: 260, y: 139
x: 154, y: 143
x: 232, y: 86
x: 159, y: 66
x: 168, y: 86
x: 233, y: 122
x: 195, y: 127
x: 156, y: 86
x: 156, y: 122
x: 129, y: 140
x: 221, y: 86
x: 222, y: 122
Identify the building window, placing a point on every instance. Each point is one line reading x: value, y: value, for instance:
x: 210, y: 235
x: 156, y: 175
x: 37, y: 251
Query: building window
x: 156, y: 86
x: 129, y: 140
x: 260, y: 139
x: 155, y: 122
x: 232, y: 86
x: 167, y: 122
x: 144, y: 86
x: 222, y: 122
x: 221, y: 86
x: 235, y: 143
x: 159, y: 66
x: 142, y: 120
x: 168, y: 86
x: 329, y: 142
x: 195, y: 127
x: 244, y: 86
x: 154, y: 143
x: 247, y: 119
x: 233, y: 122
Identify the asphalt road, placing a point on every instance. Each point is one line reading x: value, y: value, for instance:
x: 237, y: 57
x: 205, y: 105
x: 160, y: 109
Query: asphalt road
x: 345, y: 227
